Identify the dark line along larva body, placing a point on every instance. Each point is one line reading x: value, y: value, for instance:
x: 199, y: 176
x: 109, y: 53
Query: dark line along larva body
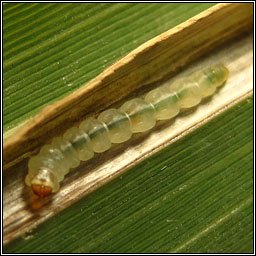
x: 48, y: 168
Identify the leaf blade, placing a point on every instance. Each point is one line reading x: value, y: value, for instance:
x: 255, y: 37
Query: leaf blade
x: 32, y: 75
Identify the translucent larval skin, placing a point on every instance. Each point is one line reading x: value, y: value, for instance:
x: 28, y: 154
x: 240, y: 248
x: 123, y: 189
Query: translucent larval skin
x: 47, y: 169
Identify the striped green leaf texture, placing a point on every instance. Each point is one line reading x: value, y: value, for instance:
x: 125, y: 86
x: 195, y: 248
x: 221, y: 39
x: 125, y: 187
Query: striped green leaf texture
x: 194, y: 196
x: 51, y: 49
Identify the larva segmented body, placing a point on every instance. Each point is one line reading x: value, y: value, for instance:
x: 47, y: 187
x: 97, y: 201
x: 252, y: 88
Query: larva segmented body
x: 48, y: 168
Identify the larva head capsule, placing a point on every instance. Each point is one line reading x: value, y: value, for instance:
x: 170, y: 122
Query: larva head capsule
x: 43, y: 183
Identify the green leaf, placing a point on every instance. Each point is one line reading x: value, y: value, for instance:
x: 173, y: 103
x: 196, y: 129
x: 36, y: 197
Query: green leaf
x: 195, y: 195
x: 51, y: 49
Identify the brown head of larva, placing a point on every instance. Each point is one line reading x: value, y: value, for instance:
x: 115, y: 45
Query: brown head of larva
x: 41, y: 190
x: 44, y: 183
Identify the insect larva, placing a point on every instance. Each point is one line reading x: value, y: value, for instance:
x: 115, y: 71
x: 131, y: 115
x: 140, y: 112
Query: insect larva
x: 47, y: 169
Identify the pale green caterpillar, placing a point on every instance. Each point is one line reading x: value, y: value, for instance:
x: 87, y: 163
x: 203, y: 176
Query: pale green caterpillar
x: 47, y: 169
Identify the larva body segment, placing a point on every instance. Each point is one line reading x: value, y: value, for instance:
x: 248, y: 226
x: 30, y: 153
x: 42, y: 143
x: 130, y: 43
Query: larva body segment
x: 81, y: 143
x: 98, y: 134
x: 164, y: 101
x: 47, y: 169
x: 118, y: 123
x: 141, y: 114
